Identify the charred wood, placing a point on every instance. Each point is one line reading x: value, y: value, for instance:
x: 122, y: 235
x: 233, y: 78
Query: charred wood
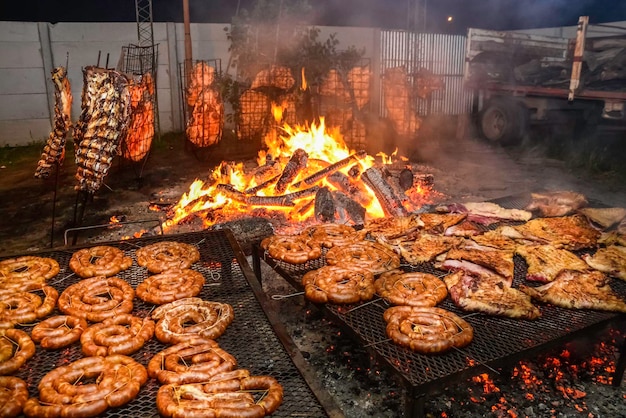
x: 238, y: 196
x: 349, y: 187
x: 389, y: 201
x: 314, y: 178
x: 296, y: 164
x: 248, y: 231
x: 324, y: 205
x: 348, y: 209
x: 265, y: 184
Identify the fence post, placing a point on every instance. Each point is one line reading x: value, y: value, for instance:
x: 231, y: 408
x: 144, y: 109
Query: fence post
x: 172, y: 70
x: 48, y: 65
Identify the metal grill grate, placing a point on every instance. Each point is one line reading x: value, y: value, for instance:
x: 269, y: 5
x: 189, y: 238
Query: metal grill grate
x: 497, y: 340
x: 250, y: 338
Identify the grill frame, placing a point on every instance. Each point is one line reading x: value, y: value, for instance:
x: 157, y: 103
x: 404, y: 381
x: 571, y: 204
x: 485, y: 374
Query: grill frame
x: 255, y: 338
x: 498, y: 342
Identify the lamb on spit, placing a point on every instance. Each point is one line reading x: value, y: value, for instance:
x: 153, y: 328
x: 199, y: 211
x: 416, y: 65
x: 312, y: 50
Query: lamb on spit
x: 136, y: 143
x: 206, y: 108
x: 104, y: 119
x: 54, y: 150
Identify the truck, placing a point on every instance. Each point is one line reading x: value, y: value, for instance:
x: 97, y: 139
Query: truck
x: 521, y: 79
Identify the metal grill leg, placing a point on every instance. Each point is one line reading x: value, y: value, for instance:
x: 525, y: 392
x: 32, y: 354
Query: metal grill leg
x: 256, y: 262
x: 620, y: 365
x: 414, y: 404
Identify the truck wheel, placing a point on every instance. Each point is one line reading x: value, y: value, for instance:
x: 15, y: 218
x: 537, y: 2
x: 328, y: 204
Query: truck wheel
x: 503, y: 121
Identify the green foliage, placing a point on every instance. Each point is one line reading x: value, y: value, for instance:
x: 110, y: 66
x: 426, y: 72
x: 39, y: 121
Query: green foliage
x: 276, y: 32
x: 15, y: 155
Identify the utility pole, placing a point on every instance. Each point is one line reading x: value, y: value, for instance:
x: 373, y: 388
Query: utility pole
x: 188, y: 55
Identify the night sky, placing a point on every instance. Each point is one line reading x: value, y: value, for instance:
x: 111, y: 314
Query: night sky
x: 389, y: 14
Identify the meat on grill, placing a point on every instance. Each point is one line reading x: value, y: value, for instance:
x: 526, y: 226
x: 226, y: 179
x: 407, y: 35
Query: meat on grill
x: 104, y: 119
x: 138, y: 139
x: 54, y: 150
x: 578, y: 290
x: 206, y: 108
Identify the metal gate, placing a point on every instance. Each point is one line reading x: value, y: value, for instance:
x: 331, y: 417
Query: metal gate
x: 440, y: 55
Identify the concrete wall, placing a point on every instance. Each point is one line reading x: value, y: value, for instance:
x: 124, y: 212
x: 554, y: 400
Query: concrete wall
x: 29, y: 51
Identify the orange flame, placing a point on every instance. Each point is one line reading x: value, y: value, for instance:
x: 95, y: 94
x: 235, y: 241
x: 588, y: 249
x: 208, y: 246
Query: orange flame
x: 304, y: 85
x: 323, y: 146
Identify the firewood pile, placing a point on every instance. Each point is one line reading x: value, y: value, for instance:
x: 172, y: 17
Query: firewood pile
x: 54, y: 150
x: 273, y: 86
x: 343, y: 96
x: 398, y: 102
x: 104, y: 119
x: 301, y: 188
x: 136, y: 143
x: 205, y: 107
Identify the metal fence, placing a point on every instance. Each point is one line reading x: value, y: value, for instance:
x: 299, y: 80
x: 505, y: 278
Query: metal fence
x: 442, y: 55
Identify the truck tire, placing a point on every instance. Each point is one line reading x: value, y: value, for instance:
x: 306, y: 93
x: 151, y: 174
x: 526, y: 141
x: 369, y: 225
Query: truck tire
x: 503, y: 121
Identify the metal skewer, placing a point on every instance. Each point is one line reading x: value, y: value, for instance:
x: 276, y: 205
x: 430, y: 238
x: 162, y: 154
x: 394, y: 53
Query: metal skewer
x: 280, y: 297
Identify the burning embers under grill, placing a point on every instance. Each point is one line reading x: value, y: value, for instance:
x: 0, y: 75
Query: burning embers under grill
x: 306, y: 174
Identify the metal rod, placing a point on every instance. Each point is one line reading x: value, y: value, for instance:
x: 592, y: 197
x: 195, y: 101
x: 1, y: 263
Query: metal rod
x: 477, y: 361
x: 188, y: 54
x: 54, y: 202
x: 84, y: 228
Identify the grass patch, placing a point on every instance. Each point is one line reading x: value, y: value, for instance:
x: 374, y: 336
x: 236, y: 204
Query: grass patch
x: 15, y: 156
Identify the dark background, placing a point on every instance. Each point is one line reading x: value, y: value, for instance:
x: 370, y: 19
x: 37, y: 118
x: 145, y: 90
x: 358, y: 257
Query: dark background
x: 389, y: 14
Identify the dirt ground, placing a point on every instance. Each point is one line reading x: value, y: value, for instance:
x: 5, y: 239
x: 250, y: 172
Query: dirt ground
x: 466, y: 169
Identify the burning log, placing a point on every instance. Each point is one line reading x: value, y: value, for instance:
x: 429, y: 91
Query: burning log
x: 408, y: 179
x: 315, y: 177
x: 348, y: 208
x: 324, y: 205
x: 350, y: 188
x: 104, y: 119
x: 267, y: 183
x: 238, y: 196
x: 283, y: 200
x: 296, y: 164
x: 54, y: 150
x: 389, y: 201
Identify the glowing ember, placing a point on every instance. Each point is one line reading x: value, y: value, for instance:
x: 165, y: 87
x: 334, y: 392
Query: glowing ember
x: 233, y: 192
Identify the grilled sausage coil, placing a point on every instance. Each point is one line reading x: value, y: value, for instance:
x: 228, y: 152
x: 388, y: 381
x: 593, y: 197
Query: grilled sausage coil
x: 367, y: 255
x: 294, y: 249
x: 170, y: 285
x: 413, y: 289
x: 29, y: 267
x: 427, y: 330
x: 13, y: 396
x: 193, y: 361
x: 97, y: 298
x: 25, y: 307
x: 117, y: 381
x: 121, y: 334
x: 228, y: 395
x: 167, y: 255
x: 16, y: 347
x: 101, y: 260
x: 183, y: 318
x: 58, y: 331
x: 331, y: 235
x: 338, y: 285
